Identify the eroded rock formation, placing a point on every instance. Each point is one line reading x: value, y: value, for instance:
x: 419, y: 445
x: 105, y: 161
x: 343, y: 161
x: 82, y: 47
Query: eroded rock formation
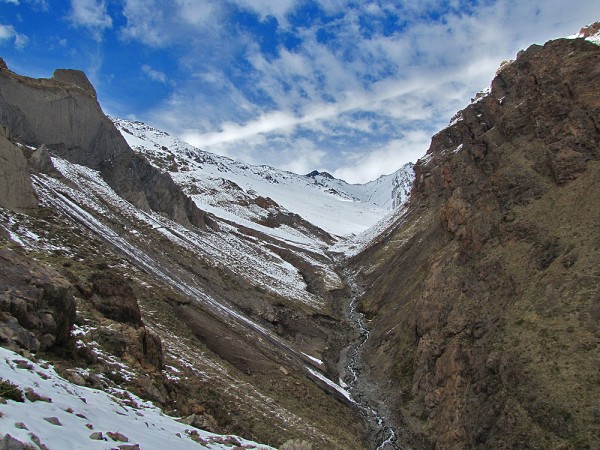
x: 484, y: 299
x: 36, y: 304
x: 16, y: 191
x: 62, y: 112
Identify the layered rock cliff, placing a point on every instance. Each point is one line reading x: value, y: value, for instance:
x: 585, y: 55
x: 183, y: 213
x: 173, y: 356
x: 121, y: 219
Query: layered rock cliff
x: 16, y: 192
x: 484, y: 298
x: 63, y: 113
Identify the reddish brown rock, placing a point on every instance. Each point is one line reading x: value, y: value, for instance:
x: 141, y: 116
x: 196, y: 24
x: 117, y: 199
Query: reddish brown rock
x: 481, y: 298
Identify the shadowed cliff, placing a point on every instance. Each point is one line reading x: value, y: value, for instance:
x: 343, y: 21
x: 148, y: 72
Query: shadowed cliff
x: 484, y: 299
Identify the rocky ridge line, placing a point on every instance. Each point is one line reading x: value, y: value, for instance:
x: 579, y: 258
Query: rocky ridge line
x: 63, y: 113
x: 484, y: 299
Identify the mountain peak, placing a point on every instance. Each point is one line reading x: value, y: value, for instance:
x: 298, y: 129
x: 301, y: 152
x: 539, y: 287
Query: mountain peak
x: 75, y: 78
x: 316, y: 173
x: 590, y: 30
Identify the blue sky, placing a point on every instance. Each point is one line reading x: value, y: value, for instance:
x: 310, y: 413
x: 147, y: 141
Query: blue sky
x: 356, y: 88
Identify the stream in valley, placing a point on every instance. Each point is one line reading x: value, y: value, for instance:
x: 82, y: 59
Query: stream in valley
x: 354, y: 373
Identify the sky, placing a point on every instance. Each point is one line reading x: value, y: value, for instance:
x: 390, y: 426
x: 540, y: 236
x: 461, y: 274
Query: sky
x: 355, y: 88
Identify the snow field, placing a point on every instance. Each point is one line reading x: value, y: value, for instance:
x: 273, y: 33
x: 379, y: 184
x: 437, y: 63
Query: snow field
x: 81, y: 411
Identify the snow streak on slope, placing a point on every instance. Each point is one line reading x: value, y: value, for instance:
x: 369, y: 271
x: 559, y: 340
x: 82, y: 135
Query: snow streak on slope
x: 232, y: 189
x: 95, y: 205
x: 68, y: 414
x: 354, y: 245
x: 248, y: 258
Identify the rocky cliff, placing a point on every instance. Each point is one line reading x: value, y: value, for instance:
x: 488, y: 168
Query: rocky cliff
x: 16, y: 192
x: 484, y: 299
x: 236, y: 328
x: 63, y: 113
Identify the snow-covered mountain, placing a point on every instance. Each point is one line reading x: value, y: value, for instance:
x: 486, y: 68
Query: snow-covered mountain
x: 247, y: 193
x: 224, y: 304
x: 225, y: 294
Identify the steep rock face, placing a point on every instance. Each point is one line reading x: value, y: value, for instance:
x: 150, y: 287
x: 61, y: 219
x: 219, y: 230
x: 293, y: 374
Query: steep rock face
x: 62, y: 112
x: 16, y: 191
x: 484, y: 302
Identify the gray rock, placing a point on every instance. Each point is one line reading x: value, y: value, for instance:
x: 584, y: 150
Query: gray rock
x: 16, y: 190
x: 63, y: 113
x: 97, y: 436
x: 41, y: 161
x: 10, y: 443
x: 28, y: 294
x: 38, y: 442
x: 201, y: 421
x: 53, y: 421
x: 116, y: 436
x: 13, y: 335
x: 33, y: 396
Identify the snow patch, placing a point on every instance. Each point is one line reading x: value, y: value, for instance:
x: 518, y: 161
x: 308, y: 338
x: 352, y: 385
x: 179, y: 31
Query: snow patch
x: 81, y: 411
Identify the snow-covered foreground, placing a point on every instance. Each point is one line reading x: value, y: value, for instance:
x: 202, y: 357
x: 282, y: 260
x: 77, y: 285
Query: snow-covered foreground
x: 75, y: 413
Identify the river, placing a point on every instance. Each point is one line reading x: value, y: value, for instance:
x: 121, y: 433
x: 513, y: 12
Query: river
x: 354, y: 373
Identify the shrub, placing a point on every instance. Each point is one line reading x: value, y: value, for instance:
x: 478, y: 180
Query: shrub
x: 10, y: 391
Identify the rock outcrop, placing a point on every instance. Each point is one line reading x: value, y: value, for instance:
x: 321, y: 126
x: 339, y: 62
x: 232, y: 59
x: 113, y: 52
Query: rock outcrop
x: 16, y: 191
x: 62, y: 112
x: 484, y: 300
x: 37, y: 306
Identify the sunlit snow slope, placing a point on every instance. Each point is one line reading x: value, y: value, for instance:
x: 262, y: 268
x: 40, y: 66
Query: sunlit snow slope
x: 237, y: 191
x: 63, y: 415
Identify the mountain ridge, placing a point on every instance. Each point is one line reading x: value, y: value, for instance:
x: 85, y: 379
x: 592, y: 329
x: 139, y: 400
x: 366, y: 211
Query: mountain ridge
x: 478, y: 320
x: 468, y: 317
x: 337, y: 207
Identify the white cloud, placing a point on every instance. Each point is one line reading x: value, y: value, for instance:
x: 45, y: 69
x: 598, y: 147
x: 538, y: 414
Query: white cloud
x: 366, y: 166
x: 158, y: 23
x: 196, y: 13
x: 361, y: 103
x: 154, y: 75
x: 303, y: 156
x: 275, y: 8
x: 8, y: 33
x: 42, y: 4
x: 91, y: 14
x: 145, y: 22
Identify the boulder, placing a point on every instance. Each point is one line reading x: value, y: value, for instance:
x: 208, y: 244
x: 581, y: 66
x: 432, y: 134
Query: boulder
x: 41, y: 161
x: 10, y: 443
x: 37, y: 307
x: 113, y: 297
x: 201, y: 421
